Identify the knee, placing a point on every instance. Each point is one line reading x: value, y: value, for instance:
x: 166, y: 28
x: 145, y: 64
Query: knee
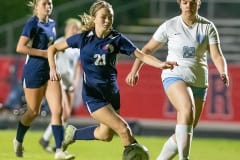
x: 107, y: 137
x: 32, y: 113
x: 187, y: 113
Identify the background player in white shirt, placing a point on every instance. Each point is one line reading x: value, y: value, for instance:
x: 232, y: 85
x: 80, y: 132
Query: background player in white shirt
x: 69, y: 68
x: 189, y: 38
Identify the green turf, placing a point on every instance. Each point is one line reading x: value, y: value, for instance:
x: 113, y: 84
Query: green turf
x: 202, y: 149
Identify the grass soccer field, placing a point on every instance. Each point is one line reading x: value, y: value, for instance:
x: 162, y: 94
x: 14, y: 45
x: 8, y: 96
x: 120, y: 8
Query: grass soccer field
x: 207, y: 149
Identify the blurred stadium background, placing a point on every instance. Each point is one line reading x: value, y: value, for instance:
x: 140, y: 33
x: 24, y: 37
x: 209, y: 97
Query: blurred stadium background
x: 145, y: 106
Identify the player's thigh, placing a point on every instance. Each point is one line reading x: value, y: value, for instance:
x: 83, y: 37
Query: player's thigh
x: 34, y: 97
x: 180, y: 95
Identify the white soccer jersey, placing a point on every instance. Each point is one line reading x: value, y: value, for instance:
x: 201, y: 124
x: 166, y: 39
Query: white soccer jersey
x: 66, y: 63
x: 189, y: 47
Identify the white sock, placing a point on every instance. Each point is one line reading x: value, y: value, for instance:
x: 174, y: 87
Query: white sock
x: 184, y: 138
x: 169, y: 150
x: 48, y: 133
x: 65, y: 125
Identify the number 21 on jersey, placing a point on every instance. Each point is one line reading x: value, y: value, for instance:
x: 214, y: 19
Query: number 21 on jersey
x: 100, y: 60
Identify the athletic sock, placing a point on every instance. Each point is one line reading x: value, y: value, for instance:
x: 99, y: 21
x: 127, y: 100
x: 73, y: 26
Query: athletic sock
x: 58, y: 133
x: 65, y: 125
x: 21, y: 131
x: 86, y: 133
x: 48, y: 133
x: 183, y: 136
x: 169, y: 149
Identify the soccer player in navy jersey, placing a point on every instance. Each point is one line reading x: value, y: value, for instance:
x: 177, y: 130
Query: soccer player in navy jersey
x: 38, y: 33
x: 99, y: 44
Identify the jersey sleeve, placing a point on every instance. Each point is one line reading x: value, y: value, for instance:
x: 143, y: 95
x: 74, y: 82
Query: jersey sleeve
x: 30, y: 28
x: 74, y: 41
x: 160, y: 34
x: 126, y: 46
x: 213, y: 35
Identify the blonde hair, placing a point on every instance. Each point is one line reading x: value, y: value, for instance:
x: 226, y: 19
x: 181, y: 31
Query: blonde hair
x: 74, y: 21
x: 32, y: 4
x: 87, y: 19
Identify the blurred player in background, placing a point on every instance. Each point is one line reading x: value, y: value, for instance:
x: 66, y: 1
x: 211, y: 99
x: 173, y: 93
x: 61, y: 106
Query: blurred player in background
x: 190, y: 38
x: 38, y: 33
x: 99, y: 45
x: 69, y: 68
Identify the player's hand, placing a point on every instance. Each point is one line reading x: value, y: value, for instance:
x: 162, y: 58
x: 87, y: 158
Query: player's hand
x: 54, y: 75
x: 132, y: 79
x: 224, y: 77
x: 168, y: 65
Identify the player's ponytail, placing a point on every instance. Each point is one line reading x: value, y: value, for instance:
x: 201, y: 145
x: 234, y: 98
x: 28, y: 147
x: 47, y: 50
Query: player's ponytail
x: 87, y: 22
x: 32, y: 5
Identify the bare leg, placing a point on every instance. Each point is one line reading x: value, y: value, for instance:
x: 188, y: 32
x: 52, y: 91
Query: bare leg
x: 114, y: 121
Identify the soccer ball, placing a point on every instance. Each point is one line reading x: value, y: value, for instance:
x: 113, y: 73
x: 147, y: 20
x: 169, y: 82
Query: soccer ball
x: 136, y: 152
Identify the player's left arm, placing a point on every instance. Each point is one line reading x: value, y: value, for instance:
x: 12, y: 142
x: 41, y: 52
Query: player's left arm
x: 220, y: 62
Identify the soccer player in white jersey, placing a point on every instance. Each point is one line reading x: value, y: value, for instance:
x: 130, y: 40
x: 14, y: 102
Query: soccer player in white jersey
x: 69, y: 68
x: 189, y: 38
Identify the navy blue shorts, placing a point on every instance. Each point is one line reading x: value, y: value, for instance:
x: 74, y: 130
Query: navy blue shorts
x: 96, y: 98
x: 198, y: 92
x: 34, y: 77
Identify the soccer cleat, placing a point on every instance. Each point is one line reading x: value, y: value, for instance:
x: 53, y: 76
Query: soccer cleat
x: 50, y: 149
x: 43, y: 143
x: 68, y: 139
x: 45, y: 146
x: 18, y: 148
x: 60, y: 155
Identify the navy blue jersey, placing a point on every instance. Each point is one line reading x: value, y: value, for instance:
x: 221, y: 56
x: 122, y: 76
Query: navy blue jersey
x: 41, y: 35
x: 98, y: 55
x: 98, y: 60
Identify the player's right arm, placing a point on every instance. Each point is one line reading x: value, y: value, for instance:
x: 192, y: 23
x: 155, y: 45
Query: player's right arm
x: 22, y: 47
x: 52, y: 50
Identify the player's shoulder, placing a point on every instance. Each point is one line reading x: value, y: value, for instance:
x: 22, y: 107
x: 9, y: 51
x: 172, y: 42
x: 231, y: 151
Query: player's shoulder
x: 203, y: 20
x: 116, y: 34
x: 172, y: 21
x: 89, y: 33
x: 33, y: 20
x: 51, y: 21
